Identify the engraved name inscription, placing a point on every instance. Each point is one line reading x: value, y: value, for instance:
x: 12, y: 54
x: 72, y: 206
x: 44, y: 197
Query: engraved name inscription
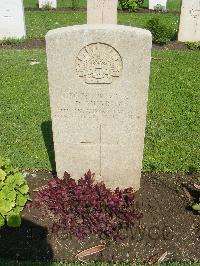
x: 96, y: 106
x: 98, y: 63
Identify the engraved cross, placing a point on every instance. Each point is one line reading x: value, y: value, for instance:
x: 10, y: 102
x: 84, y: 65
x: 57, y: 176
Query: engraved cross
x: 102, y: 11
x: 99, y: 144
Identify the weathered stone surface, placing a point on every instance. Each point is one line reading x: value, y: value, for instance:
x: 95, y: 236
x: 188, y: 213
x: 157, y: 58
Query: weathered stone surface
x: 189, y: 27
x: 48, y: 3
x: 98, y: 83
x: 102, y: 11
x: 12, y: 23
x: 154, y: 3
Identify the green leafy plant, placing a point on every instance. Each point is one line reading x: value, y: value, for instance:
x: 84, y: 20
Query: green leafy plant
x: 14, y: 193
x: 86, y: 207
x: 130, y: 5
x: 161, y: 32
x: 193, y: 45
x: 160, y: 8
x: 196, y: 206
x: 140, y: 2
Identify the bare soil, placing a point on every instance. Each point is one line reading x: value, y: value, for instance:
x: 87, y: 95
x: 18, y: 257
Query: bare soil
x: 169, y: 224
x: 28, y: 44
x: 40, y: 44
x: 179, y: 46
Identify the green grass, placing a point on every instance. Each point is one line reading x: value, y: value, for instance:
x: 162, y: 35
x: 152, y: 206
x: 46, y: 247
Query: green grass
x: 60, y: 3
x: 140, y: 19
x: 172, y: 5
x: 172, y: 137
x: 38, y: 23
x: 24, y: 106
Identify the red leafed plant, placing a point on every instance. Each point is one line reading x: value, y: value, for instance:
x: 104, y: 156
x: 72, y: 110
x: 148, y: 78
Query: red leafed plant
x: 86, y: 207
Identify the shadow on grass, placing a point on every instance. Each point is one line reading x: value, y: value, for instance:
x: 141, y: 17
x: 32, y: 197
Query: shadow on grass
x: 47, y: 133
x: 26, y: 243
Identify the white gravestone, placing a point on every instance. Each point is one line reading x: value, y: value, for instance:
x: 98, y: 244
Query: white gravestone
x: 98, y: 84
x: 48, y: 3
x: 12, y: 23
x: 156, y: 3
x: 189, y: 27
x: 102, y: 11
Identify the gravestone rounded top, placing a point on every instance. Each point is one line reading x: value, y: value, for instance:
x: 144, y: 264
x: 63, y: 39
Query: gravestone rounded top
x: 105, y: 27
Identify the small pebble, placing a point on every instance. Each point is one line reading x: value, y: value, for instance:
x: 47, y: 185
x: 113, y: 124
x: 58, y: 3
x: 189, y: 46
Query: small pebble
x: 25, y: 174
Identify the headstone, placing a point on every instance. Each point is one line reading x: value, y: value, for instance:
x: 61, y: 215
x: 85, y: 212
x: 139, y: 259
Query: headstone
x: 12, y: 23
x: 48, y: 3
x: 157, y: 4
x: 189, y: 27
x: 102, y: 11
x: 98, y: 84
